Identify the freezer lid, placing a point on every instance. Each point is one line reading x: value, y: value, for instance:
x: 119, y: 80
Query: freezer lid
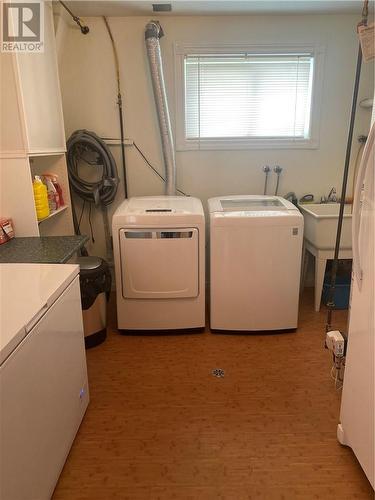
x: 250, y: 203
x: 27, y: 291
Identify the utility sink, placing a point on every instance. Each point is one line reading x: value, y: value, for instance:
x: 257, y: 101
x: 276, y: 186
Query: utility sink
x: 321, y: 225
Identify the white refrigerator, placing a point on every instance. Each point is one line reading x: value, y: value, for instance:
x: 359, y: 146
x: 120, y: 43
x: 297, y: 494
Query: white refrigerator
x: 357, y: 422
x: 43, y: 376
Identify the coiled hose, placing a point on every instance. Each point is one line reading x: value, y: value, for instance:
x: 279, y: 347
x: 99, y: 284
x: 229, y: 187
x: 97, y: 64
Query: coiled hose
x: 86, y: 147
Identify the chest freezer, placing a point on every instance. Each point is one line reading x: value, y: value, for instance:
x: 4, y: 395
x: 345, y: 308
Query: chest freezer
x: 43, y: 378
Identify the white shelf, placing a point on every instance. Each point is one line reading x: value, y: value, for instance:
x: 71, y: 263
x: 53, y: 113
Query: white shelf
x: 56, y: 212
x: 32, y: 135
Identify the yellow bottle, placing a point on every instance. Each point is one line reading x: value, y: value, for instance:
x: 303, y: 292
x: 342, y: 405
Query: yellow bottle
x: 41, y: 198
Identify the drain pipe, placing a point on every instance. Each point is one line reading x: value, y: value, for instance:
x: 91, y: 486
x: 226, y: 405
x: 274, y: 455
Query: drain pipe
x: 153, y: 33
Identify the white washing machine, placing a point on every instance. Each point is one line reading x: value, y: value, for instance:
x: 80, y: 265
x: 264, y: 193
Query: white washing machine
x: 159, y: 247
x: 256, y: 249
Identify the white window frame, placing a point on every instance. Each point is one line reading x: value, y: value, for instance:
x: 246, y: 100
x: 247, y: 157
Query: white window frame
x: 181, y: 50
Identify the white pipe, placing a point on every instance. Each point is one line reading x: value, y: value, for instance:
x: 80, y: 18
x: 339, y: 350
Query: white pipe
x: 153, y: 33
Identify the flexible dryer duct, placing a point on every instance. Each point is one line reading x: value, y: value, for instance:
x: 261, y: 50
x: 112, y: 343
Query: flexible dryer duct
x: 153, y: 33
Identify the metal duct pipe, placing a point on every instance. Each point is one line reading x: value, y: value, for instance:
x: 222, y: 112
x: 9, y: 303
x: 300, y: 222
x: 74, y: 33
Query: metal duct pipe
x: 153, y: 33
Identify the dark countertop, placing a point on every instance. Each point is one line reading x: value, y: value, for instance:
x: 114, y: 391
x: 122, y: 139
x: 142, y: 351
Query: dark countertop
x: 42, y: 250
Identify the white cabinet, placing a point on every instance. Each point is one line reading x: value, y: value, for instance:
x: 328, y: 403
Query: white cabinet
x: 31, y: 109
x: 12, y: 131
x: 32, y: 137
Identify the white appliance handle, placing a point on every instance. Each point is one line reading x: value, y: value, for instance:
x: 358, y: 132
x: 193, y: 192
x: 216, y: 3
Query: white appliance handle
x: 357, y: 206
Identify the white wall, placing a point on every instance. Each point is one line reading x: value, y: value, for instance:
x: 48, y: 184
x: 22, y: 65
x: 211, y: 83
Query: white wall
x: 89, y: 99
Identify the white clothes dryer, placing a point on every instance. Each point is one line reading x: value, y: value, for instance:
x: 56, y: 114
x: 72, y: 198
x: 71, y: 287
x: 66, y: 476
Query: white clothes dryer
x: 159, y: 252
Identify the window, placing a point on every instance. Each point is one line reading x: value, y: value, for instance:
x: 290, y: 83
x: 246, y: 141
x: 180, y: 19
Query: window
x: 248, y: 96
x: 246, y: 99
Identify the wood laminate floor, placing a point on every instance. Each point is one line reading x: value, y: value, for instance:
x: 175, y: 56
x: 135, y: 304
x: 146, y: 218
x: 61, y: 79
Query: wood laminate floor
x: 160, y: 426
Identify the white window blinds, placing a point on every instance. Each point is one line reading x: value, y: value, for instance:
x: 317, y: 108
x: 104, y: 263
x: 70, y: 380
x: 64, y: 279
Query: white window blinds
x: 248, y: 96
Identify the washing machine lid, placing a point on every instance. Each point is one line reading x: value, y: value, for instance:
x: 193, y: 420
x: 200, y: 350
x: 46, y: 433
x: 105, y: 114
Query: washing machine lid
x: 253, y: 210
x: 249, y: 203
x: 155, y: 210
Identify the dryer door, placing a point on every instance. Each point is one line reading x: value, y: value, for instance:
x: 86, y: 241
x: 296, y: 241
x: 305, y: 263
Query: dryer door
x: 159, y: 263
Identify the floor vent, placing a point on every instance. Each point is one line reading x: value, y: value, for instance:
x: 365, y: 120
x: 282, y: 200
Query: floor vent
x: 218, y: 372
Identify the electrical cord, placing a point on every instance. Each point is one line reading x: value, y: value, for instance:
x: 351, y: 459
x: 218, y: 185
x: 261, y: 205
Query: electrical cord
x: 81, y: 215
x: 337, y: 372
x: 141, y: 153
x: 336, y: 377
x: 153, y: 168
x: 89, y: 219
x: 148, y: 163
x: 90, y: 224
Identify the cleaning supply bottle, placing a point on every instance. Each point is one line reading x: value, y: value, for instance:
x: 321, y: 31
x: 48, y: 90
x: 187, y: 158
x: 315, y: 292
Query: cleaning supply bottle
x: 53, y: 195
x: 40, y: 198
x: 54, y: 179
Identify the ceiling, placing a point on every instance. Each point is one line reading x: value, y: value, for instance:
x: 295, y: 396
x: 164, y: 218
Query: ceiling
x: 215, y: 7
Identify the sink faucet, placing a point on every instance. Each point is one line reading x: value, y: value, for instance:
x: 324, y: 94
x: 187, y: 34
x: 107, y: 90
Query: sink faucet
x: 332, y: 196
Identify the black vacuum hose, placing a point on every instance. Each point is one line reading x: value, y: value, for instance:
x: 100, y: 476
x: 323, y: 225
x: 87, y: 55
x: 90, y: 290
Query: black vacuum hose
x: 86, y: 147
